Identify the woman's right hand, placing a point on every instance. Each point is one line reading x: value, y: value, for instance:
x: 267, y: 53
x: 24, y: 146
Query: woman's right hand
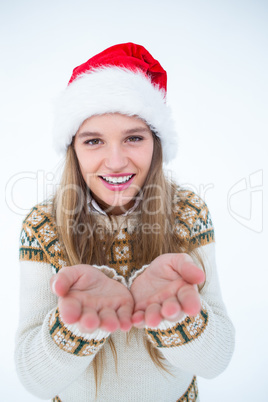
x: 92, y: 300
x: 166, y: 290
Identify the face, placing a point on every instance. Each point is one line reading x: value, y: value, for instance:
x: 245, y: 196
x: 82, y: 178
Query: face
x: 114, y: 153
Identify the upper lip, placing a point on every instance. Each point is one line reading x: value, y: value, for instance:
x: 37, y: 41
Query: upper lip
x: 117, y: 174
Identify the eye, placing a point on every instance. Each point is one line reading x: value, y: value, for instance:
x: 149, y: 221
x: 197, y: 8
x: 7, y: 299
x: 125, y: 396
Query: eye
x: 134, y: 138
x: 94, y: 141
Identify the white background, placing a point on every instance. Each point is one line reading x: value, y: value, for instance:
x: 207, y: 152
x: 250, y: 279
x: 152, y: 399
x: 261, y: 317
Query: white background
x: 215, y: 53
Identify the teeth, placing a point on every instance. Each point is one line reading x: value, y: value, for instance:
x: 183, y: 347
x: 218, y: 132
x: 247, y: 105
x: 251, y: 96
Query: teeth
x: 117, y: 180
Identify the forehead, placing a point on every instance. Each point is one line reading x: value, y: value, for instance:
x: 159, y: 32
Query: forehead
x: 114, y: 120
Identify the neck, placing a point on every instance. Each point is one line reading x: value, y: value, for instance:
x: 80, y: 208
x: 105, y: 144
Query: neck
x: 114, y: 210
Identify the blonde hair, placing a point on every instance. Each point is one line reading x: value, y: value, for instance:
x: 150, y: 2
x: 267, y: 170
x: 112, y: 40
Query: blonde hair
x: 157, y: 193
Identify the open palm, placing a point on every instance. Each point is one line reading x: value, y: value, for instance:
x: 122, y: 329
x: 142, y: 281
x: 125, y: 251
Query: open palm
x: 166, y: 290
x: 92, y: 300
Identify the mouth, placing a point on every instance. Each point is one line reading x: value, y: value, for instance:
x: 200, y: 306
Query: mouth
x: 116, y: 180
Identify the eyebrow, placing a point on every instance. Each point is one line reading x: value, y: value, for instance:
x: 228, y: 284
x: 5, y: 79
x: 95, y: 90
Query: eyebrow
x: 131, y: 131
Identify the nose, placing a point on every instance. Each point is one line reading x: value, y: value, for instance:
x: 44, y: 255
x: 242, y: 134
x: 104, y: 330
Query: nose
x: 116, y: 160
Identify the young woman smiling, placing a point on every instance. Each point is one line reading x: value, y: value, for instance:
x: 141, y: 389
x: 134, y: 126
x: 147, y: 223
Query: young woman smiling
x: 114, y: 153
x: 120, y: 299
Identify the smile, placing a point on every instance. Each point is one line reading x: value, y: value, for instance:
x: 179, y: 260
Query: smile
x: 117, y: 180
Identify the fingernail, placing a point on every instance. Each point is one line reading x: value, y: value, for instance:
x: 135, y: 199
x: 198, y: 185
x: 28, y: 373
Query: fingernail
x: 140, y: 325
x: 173, y: 316
x: 53, y: 286
x: 177, y: 317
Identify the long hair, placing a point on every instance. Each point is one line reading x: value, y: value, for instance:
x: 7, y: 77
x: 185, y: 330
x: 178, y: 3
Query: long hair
x: 155, y: 210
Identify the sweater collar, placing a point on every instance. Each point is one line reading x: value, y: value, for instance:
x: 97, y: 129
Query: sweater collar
x: 93, y: 206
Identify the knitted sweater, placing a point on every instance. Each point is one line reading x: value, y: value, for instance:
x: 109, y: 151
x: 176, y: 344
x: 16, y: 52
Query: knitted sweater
x: 54, y: 360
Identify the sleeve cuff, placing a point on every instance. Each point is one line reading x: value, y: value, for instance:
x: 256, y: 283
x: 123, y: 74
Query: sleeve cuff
x: 170, y: 334
x: 136, y: 274
x: 165, y: 324
x: 71, y: 340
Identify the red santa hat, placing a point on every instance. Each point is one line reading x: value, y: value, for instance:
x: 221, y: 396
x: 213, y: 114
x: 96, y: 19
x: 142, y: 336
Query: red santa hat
x: 124, y: 79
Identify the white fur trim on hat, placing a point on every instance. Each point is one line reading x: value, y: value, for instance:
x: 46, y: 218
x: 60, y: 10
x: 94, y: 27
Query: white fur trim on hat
x: 114, y: 90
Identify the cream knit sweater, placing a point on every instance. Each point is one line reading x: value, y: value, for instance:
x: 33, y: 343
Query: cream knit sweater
x: 54, y: 360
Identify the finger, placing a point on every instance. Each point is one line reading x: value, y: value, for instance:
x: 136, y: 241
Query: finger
x: 64, y: 280
x: 90, y: 320
x: 70, y: 309
x: 171, y: 309
x: 138, y: 319
x: 191, y: 273
x: 189, y: 299
x: 124, y: 316
x: 141, y: 305
x: 188, y: 270
x: 153, y: 315
x: 108, y: 320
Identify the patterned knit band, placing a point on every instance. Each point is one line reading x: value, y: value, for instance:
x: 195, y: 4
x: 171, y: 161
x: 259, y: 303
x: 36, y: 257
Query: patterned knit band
x: 123, y: 79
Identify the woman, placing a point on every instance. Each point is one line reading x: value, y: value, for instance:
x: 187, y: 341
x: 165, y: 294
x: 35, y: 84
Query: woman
x: 120, y: 299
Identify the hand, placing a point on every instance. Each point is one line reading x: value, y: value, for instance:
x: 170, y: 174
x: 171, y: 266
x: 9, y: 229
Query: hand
x: 92, y: 300
x: 166, y: 290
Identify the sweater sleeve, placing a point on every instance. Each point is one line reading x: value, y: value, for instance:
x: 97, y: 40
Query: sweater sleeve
x: 49, y: 355
x: 202, y: 344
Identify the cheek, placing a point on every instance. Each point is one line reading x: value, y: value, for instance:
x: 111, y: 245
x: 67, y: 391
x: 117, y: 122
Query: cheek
x: 143, y: 156
x: 88, y: 164
x: 87, y: 171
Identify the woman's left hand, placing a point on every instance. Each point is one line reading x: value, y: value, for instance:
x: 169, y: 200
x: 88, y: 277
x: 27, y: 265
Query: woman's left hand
x: 166, y: 290
x: 92, y: 300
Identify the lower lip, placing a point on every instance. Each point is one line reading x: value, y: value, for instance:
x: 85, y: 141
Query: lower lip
x: 117, y: 187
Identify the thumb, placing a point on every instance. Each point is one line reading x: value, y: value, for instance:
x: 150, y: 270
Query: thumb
x: 62, y: 282
x: 188, y: 270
